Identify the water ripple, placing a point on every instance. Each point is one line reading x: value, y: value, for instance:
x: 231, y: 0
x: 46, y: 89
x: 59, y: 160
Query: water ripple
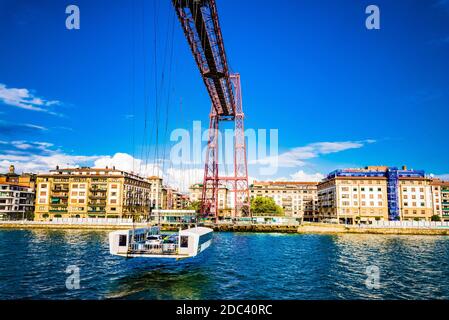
x: 238, y: 266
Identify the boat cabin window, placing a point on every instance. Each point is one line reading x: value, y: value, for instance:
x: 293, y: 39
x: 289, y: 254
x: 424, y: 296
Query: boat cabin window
x: 184, y: 241
x: 122, y: 240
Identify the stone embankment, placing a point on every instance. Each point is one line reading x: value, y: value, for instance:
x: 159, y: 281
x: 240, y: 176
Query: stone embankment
x: 305, y: 228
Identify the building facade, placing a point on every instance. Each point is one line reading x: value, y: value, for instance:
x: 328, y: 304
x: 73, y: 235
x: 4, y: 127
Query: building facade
x: 225, y: 199
x: 362, y: 195
x: 92, y: 193
x: 16, y: 195
x: 298, y: 199
x: 444, y: 187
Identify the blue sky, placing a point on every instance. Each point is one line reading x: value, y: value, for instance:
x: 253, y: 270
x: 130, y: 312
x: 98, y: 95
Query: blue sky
x: 339, y: 94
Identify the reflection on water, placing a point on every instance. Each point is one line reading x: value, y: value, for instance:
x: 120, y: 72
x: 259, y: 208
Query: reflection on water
x: 237, y: 266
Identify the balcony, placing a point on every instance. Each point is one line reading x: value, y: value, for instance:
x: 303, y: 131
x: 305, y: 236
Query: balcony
x: 61, y: 204
x: 58, y: 210
x: 97, y: 196
x: 97, y: 203
x: 96, y: 211
x: 98, y: 189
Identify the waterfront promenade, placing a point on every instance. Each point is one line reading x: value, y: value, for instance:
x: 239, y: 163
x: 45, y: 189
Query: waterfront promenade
x: 386, y: 227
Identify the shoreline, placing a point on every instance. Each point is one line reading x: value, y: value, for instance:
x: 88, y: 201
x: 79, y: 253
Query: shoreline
x: 306, y: 228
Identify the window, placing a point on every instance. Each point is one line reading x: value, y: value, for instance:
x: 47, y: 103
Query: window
x: 43, y: 193
x: 423, y: 204
x: 74, y: 193
x: 82, y: 186
x: 184, y: 243
x: 82, y: 193
x: 44, y: 186
x: 370, y: 189
x: 405, y: 196
x: 81, y: 201
x: 363, y: 189
x: 113, y: 201
x: 113, y: 186
x: 379, y: 189
x: 122, y: 240
x: 75, y: 186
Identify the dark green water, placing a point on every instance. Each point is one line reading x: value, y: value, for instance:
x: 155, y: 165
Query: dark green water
x: 237, y: 266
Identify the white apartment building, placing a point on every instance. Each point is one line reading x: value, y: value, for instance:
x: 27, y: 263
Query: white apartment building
x: 16, y: 202
x: 298, y: 199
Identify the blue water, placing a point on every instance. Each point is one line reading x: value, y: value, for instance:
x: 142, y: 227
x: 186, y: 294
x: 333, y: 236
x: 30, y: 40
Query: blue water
x: 237, y: 266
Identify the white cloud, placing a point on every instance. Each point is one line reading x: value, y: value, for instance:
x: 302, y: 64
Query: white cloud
x: 38, y: 157
x: 303, y: 176
x: 296, y: 156
x: 24, y: 99
x: 176, y: 177
x: 444, y: 177
x: 34, y: 126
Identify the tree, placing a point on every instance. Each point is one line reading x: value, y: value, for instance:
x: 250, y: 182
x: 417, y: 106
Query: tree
x: 435, y: 218
x: 195, y: 205
x: 265, y: 205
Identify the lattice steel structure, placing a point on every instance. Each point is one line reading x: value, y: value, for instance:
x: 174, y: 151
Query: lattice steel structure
x: 199, y: 20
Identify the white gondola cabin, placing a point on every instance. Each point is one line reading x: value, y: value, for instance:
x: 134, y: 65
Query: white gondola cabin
x: 149, y: 243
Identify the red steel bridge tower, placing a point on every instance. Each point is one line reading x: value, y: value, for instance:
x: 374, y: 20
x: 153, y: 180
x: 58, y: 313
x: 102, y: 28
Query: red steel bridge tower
x: 199, y: 20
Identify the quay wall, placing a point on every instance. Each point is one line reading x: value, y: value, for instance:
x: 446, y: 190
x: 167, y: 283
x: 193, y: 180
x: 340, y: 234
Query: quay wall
x: 307, y: 228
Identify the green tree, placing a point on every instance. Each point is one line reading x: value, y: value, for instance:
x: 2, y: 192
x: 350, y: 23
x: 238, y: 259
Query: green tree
x: 265, y: 206
x: 195, y: 205
x: 435, y: 218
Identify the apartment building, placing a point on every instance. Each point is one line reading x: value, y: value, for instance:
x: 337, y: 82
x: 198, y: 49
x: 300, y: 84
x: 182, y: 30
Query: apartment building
x: 16, y: 195
x: 416, y: 198
x: 92, y: 193
x: 440, y: 193
x: 156, y: 192
x: 362, y: 195
x: 298, y: 199
x: 174, y: 199
x: 225, y: 199
x: 444, y: 187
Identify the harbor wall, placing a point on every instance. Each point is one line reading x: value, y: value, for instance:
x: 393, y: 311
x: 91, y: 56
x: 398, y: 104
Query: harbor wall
x: 308, y: 228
